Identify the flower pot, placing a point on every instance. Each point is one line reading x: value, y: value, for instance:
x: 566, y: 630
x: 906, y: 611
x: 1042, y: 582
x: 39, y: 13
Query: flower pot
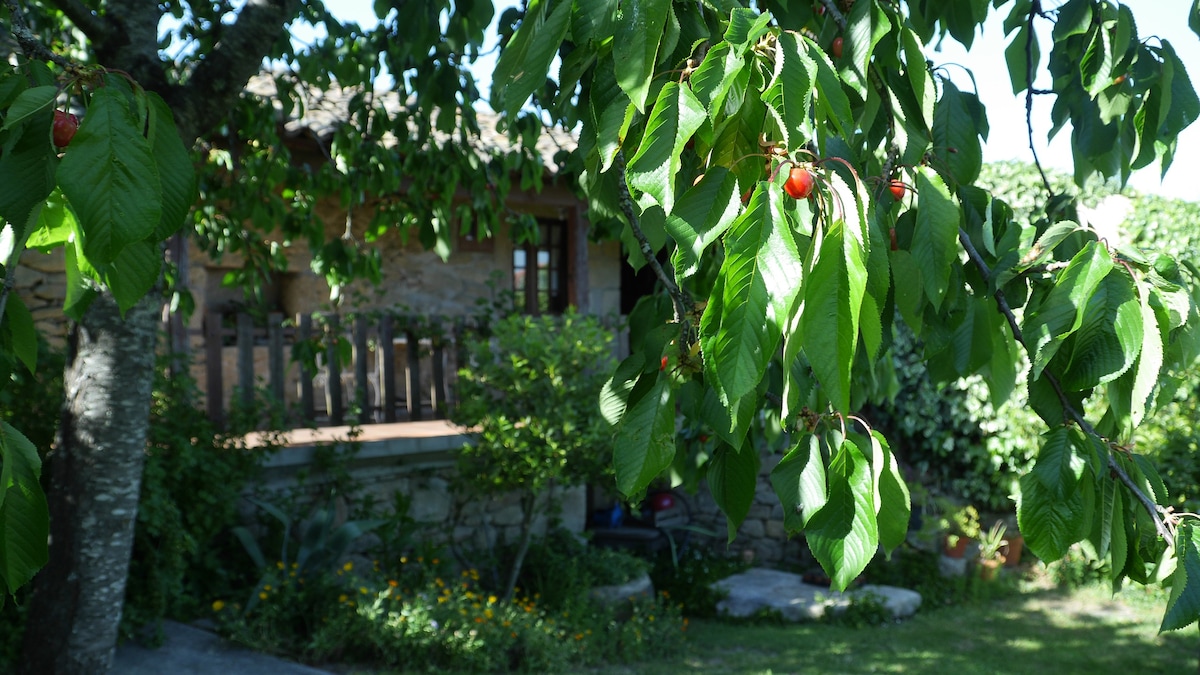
x: 958, y: 549
x: 1012, y: 552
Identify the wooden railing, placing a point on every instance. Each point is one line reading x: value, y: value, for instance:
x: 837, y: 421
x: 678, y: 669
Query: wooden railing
x: 307, y: 371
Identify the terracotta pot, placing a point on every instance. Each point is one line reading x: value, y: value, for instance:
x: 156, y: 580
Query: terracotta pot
x: 959, y: 549
x: 989, y: 569
x: 1012, y: 552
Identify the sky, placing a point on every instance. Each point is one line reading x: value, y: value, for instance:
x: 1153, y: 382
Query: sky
x: 1166, y: 19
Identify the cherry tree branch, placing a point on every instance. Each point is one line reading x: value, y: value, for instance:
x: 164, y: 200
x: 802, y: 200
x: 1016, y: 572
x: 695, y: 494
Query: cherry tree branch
x: 92, y: 25
x: 29, y: 43
x: 1034, y: 11
x: 838, y: 17
x: 1155, y: 511
x: 678, y: 299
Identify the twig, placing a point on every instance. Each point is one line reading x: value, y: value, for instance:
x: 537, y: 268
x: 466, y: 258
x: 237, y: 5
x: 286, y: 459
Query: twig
x: 838, y: 17
x: 678, y: 299
x: 1153, y: 509
x: 1034, y: 11
x: 29, y: 43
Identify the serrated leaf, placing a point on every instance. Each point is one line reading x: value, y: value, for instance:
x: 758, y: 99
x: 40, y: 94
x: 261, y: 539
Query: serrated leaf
x: 110, y: 178
x: 30, y: 102
x: 730, y: 421
x: 1061, y: 313
x: 799, y: 482
x: 1183, y: 607
x: 832, y: 103
x: 54, y: 224
x: 1150, y: 361
x: 714, y: 77
x: 134, y: 272
x: 758, y: 282
x: 732, y: 480
x: 640, y: 25
x: 956, y: 131
x: 935, y: 238
x: 894, y: 508
x: 26, y: 174
x: 843, y: 535
x: 833, y: 296
x: 1019, y: 54
x: 80, y: 290
x: 523, y: 64
x: 644, y: 444
x: 175, y: 169
x: 1056, y: 498
x: 1108, y: 339
x: 790, y: 92
x: 24, y: 333
x: 701, y: 216
x: 917, y: 72
x: 24, y: 516
x: 676, y: 116
x: 615, y: 392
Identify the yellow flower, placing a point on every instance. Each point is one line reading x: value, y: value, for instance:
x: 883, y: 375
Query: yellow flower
x: 348, y: 566
x: 343, y: 597
x: 403, y: 560
x: 362, y: 589
x: 267, y: 587
x: 279, y: 564
x: 393, y: 583
x: 263, y: 595
x: 218, y: 605
x: 491, y: 599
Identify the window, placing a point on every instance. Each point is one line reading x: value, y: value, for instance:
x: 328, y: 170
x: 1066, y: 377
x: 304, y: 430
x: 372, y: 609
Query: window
x: 540, y: 270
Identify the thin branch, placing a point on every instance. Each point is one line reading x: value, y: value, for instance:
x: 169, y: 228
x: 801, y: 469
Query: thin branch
x: 1034, y: 11
x: 29, y: 43
x: 678, y: 299
x: 838, y: 17
x: 1153, y: 509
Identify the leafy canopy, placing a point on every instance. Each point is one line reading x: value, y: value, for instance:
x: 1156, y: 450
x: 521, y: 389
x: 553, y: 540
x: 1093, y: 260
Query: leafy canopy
x: 692, y: 115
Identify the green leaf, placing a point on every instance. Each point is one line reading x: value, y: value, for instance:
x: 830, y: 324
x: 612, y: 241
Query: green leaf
x: 24, y: 516
x: 30, y: 102
x: 1056, y: 498
x: 731, y: 421
x: 790, y: 92
x: 732, y: 479
x: 54, y: 225
x: 1074, y: 18
x: 676, y: 116
x: 919, y: 79
x: 894, y: 507
x: 832, y: 103
x: 1194, y: 17
x: 640, y: 25
x: 958, y: 123
x: 701, y: 216
x: 645, y: 440
x: 1108, y: 339
x: 935, y: 238
x: 1183, y: 607
x: 799, y: 482
x: 717, y: 73
x: 1018, y: 55
x: 135, y: 271
x: 1050, y: 321
x: 175, y: 168
x: 1150, y: 361
x: 843, y: 535
x: 759, y: 280
x: 24, y: 332
x: 110, y: 178
x: 80, y: 289
x: 833, y: 295
x: 523, y: 64
x: 615, y: 393
x: 27, y: 169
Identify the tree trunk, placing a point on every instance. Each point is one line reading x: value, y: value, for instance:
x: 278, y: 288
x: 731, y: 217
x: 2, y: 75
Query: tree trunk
x: 95, y: 476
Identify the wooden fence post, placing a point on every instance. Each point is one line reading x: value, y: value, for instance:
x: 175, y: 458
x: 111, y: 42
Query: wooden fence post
x: 360, y: 369
x: 245, y: 358
x: 304, y: 334
x: 386, y: 369
x: 275, y: 362
x: 214, y: 388
x: 333, y: 366
x: 414, y: 376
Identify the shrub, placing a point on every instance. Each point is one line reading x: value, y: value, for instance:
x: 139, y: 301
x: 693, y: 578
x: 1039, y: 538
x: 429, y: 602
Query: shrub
x: 687, y: 579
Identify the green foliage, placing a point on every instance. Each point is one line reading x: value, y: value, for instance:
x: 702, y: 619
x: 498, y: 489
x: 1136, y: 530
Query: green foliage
x: 528, y: 391
x: 687, y: 579
x: 428, y: 621
x: 864, y: 609
x: 560, y: 569
x: 193, y: 481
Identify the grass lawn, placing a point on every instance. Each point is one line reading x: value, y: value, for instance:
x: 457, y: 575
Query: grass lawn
x: 1042, y: 631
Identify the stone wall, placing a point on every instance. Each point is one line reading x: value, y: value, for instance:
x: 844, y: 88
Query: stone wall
x: 421, y: 466
x: 761, y: 537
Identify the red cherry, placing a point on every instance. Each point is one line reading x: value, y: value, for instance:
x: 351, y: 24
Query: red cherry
x: 836, y: 49
x: 897, y: 188
x: 65, y: 126
x: 799, y: 183
x: 664, y: 364
x: 1120, y: 79
x: 819, y: 9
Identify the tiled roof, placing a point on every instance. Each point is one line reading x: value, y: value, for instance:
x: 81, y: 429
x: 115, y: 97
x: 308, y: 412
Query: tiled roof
x: 325, y: 110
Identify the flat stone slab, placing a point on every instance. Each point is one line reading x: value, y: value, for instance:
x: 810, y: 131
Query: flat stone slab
x: 191, y: 651
x: 763, y: 589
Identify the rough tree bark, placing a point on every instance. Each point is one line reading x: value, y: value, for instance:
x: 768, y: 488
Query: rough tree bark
x: 96, y: 469
x: 95, y: 476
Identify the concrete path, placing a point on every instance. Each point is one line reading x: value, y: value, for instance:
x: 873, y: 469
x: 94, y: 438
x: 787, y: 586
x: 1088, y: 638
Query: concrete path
x: 191, y: 651
x: 762, y: 589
